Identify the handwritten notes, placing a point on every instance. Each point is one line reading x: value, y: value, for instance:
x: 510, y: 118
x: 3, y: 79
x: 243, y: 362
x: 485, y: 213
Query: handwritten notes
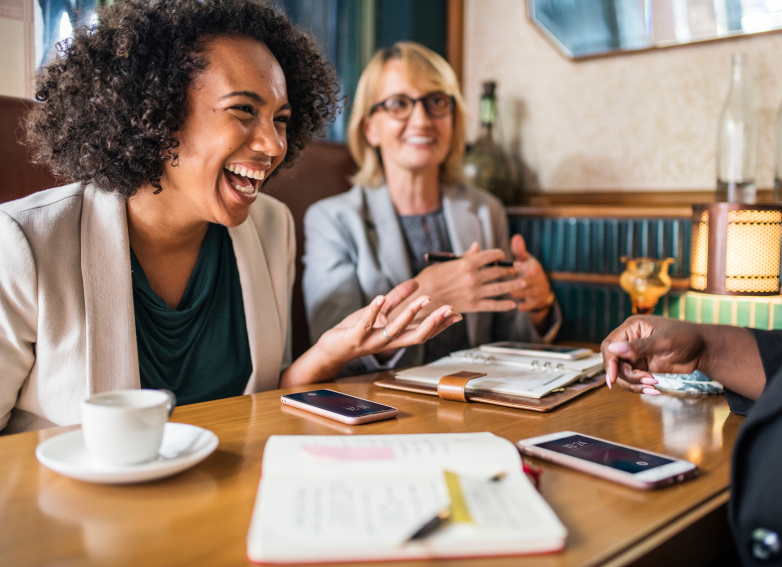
x: 345, y: 498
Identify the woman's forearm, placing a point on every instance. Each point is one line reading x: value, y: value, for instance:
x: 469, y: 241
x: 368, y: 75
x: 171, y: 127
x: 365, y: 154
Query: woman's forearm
x: 731, y: 357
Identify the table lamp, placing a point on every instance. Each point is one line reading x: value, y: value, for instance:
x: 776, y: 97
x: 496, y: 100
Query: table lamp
x: 735, y: 248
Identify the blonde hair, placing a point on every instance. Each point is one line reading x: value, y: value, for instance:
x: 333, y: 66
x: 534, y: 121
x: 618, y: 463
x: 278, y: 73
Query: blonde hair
x: 422, y: 64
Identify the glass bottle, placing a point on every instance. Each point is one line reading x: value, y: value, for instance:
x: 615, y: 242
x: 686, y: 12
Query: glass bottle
x: 737, y: 140
x: 486, y: 165
x: 776, y: 195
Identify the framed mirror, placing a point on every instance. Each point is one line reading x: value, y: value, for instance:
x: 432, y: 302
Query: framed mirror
x: 582, y: 29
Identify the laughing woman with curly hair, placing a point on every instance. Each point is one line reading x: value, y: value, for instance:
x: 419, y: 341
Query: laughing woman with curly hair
x: 161, y: 265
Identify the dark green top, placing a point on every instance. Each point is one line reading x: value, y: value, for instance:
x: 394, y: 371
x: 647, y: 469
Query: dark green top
x: 200, y: 350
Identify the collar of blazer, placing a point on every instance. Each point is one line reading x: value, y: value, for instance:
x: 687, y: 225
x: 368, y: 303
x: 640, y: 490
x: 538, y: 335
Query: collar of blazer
x: 267, y: 328
x: 461, y: 219
x: 112, y: 355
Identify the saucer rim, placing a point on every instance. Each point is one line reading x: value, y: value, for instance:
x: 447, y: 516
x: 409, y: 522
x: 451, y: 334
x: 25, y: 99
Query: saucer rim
x: 126, y: 474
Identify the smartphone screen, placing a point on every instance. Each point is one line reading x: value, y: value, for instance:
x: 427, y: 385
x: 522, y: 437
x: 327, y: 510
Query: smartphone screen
x: 341, y: 404
x: 603, y: 453
x: 539, y: 347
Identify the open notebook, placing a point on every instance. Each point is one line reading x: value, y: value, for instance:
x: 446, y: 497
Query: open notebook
x: 344, y: 498
x: 515, y: 375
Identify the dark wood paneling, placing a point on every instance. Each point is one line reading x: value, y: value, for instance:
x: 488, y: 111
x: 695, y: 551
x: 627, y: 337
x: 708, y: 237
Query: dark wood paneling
x: 18, y: 177
x: 633, y: 200
x: 455, y: 37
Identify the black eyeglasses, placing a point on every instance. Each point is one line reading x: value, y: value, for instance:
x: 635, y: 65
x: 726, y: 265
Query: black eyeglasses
x: 400, y: 106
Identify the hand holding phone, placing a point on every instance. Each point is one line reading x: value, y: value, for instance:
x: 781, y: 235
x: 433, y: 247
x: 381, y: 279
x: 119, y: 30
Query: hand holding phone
x: 339, y: 406
x: 612, y: 461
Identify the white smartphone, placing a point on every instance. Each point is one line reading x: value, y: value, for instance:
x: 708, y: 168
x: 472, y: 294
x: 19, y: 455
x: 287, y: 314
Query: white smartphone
x: 532, y: 349
x: 339, y: 406
x: 612, y: 461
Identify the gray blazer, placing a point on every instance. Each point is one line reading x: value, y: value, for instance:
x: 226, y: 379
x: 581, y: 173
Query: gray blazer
x: 354, y: 250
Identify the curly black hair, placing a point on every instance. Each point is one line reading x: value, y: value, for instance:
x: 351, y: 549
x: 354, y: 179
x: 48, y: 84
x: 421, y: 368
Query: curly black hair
x: 114, y: 98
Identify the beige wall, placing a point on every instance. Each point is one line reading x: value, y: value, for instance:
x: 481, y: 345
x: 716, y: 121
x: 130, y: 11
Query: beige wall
x: 12, y: 68
x: 17, y: 66
x: 631, y: 122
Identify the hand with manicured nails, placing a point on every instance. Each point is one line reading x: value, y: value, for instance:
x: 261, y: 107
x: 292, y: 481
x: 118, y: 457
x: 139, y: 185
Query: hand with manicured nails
x: 645, y: 344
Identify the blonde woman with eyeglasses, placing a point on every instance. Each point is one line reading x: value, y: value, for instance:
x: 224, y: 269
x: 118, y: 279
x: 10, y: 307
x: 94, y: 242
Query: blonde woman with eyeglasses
x: 407, y: 134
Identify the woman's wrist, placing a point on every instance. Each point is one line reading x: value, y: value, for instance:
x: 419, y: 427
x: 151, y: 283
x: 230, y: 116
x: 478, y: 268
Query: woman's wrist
x: 327, y: 362
x: 545, y: 305
x: 730, y: 355
x: 541, y: 315
x: 315, y: 365
x: 541, y: 319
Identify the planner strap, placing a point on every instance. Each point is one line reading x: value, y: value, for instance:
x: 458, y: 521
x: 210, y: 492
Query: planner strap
x: 451, y: 387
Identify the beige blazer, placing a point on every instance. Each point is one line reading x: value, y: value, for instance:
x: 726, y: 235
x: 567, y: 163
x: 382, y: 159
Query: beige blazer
x: 67, y: 328
x: 355, y: 250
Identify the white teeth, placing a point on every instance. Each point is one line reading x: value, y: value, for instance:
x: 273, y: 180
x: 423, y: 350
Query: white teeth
x: 420, y: 140
x: 245, y: 190
x: 244, y: 172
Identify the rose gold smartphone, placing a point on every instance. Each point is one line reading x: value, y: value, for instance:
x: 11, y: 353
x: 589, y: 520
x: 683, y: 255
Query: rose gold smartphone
x: 612, y: 461
x: 339, y: 406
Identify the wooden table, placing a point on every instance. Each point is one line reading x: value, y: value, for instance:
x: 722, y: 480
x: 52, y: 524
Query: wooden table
x: 201, y: 516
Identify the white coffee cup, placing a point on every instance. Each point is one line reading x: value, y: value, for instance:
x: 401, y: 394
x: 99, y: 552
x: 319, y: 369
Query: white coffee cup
x: 125, y: 427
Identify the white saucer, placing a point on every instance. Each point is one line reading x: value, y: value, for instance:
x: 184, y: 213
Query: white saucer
x: 183, y: 446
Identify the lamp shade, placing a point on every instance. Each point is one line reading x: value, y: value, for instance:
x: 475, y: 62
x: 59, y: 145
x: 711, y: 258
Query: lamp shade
x: 735, y: 248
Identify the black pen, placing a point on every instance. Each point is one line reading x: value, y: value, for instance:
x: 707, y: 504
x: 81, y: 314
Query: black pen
x: 443, y: 516
x: 432, y: 257
x: 432, y: 525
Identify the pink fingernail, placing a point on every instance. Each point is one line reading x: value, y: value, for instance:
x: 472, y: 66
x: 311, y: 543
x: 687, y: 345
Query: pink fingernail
x: 426, y: 302
x: 651, y: 391
x: 619, y: 348
x: 608, y: 382
x: 380, y: 300
x: 650, y: 381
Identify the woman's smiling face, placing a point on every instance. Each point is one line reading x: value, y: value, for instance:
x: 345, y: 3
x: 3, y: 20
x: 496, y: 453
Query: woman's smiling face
x: 234, y: 134
x: 419, y: 143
